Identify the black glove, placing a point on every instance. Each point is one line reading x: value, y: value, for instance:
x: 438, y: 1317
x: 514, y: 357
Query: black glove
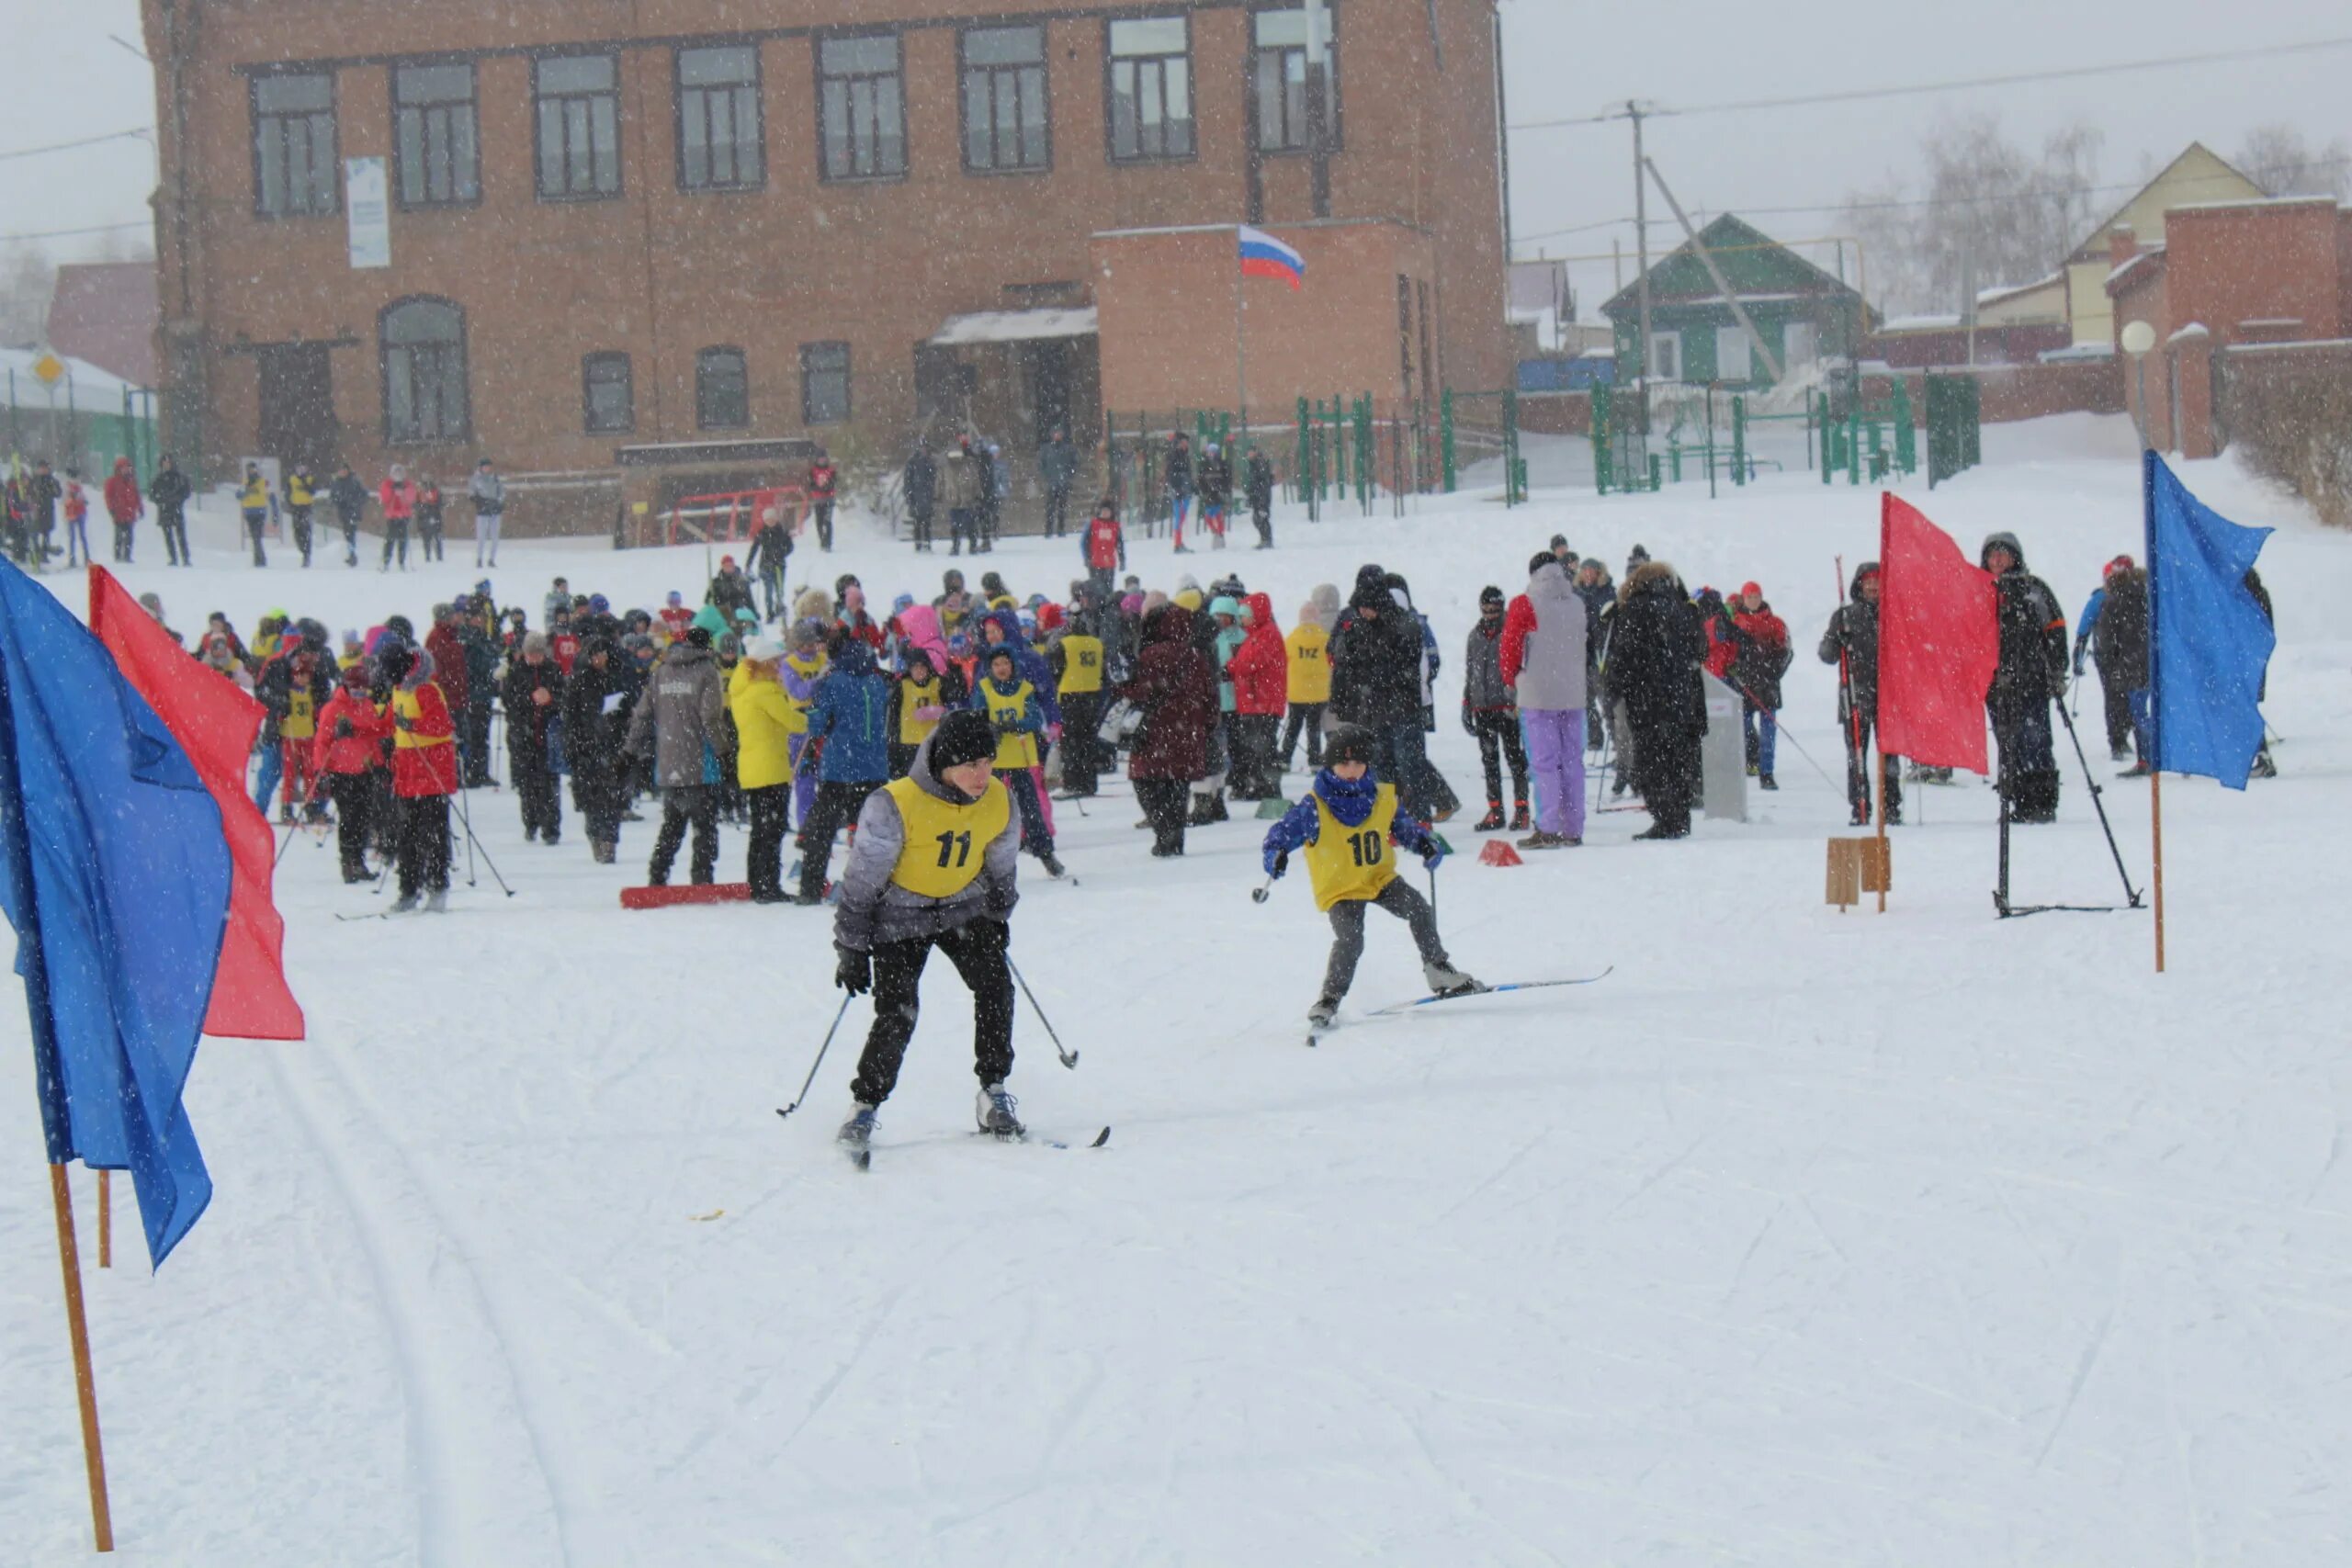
x: 403, y: 722
x: 342, y: 729
x: 855, y: 973
x: 1469, y: 723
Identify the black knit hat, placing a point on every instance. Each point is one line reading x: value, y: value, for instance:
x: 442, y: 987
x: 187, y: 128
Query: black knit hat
x: 962, y: 736
x: 1350, y: 743
x: 1490, y: 595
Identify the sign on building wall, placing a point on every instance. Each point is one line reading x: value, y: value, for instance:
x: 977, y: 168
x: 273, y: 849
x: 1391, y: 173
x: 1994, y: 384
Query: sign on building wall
x: 367, y: 198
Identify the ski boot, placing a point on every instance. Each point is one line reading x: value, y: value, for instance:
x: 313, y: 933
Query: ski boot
x: 404, y: 905
x: 1325, y: 1010
x: 437, y: 902
x: 1492, y: 819
x: 1447, y: 981
x: 1054, y: 868
x: 996, y: 1115
x: 1520, y: 820
x: 1764, y: 781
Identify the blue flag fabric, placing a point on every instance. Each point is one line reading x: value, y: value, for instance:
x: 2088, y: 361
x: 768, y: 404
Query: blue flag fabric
x: 115, y: 872
x: 2210, y: 640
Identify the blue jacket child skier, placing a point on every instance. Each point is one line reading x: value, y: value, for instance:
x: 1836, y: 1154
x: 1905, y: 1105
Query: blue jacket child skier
x: 1016, y: 712
x: 1349, y: 828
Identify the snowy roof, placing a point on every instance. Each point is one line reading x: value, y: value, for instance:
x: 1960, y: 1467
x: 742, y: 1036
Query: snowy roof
x: 2002, y: 291
x: 2252, y: 201
x: 2193, y: 329
x: 1920, y: 324
x: 2152, y: 253
x: 1016, y: 326
x: 2074, y: 351
x: 94, y: 390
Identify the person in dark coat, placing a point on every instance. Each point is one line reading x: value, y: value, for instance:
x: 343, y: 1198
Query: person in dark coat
x: 169, y: 489
x: 2119, y: 643
x: 1058, y: 466
x: 1174, y: 686
x: 349, y: 499
x: 1851, y: 643
x: 1376, y: 682
x: 1258, y: 482
x: 769, y: 559
x: 2030, y: 676
x: 922, y: 487
x: 1657, y: 649
x: 2264, y: 767
x: 593, y: 721
x: 532, y: 694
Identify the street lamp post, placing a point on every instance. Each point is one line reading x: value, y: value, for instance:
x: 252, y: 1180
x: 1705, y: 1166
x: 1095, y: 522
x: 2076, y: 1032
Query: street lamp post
x: 2137, y: 338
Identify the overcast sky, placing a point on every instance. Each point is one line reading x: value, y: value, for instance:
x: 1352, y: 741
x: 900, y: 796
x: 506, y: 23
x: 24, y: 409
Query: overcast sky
x: 1565, y: 58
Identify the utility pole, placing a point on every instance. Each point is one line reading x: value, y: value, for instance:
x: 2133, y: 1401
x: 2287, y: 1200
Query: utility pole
x: 1641, y: 260
x: 1318, y: 104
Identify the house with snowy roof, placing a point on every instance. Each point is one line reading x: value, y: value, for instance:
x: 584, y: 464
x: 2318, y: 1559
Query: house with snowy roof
x: 1802, y: 312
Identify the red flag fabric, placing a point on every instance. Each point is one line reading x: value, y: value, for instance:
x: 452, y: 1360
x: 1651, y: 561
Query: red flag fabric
x: 215, y: 724
x: 1938, y: 643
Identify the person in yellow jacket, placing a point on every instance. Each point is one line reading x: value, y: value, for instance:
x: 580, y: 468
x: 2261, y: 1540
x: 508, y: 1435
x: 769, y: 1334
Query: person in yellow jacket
x: 766, y: 723
x: 302, y: 494
x: 1350, y: 829
x: 803, y: 666
x: 252, y: 499
x: 1018, y: 717
x: 935, y: 864
x: 1078, y: 659
x: 1310, y: 687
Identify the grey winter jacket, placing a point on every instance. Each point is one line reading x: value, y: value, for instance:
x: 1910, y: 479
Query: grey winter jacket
x: 875, y: 910
x: 1552, y: 665
x: 678, y: 717
x: 489, y: 492
x: 960, y: 479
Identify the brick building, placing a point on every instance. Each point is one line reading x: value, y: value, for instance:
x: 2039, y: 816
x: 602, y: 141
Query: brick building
x: 647, y: 249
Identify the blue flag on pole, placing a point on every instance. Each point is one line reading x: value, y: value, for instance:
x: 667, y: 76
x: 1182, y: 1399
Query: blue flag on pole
x: 2208, y: 639
x: 115, y: 872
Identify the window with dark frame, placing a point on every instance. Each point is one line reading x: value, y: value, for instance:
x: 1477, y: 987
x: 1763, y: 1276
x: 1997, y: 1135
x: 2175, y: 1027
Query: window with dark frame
x: 1429, y: 360
x: 722, y: 389
x: 435, y: 139
x: 861, y: 109
x: 607, y: 393
x: 1005, y: 116
x: 824, y: 383
x: 1150, y: 97
x: 1278, y: 78
x: 577, y: 103
x: 721, y: 137
x: 295, y: 168
x: 1405, y: 331
x: 421, y: 344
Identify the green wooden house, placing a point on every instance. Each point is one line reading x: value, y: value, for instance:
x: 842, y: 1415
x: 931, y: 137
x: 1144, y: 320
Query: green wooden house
x: 1803, y: 313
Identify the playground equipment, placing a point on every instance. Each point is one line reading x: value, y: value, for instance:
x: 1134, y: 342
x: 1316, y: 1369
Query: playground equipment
x: 1622, y: 460
x: 1955, y: 426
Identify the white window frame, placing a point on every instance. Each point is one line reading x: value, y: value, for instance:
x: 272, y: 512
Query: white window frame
x: 1732, y: 348
x: 1790, y: 360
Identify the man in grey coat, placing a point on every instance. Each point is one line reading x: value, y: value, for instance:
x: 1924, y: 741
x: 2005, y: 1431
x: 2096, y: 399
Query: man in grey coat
x: 1544, y: 637
x: 901, y: 897
x: 677, y: 720
x: 488, y: 493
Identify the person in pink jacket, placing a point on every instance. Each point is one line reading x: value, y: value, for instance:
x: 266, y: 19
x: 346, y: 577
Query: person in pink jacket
x: 397, y: 496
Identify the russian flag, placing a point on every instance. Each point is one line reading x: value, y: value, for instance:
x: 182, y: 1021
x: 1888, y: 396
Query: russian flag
x: 1263, y: 256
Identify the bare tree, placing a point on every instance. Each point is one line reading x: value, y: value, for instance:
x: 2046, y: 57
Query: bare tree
x: 27, y: 278
x: 1989, y: 213
x: 2277, y: 158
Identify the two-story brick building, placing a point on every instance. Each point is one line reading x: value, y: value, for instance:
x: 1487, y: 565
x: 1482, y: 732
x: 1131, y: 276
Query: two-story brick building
x: 592, y: 237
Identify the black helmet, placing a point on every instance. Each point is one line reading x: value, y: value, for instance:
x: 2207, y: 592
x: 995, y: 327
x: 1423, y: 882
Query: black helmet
x: 1350, y: 743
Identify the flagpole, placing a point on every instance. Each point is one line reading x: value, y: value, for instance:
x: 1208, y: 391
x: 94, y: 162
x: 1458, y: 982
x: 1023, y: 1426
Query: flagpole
x: 1240, y: 334
x: 30, y: 953
x: 105, y: 1218
x: 2155, y: 704
x: 1884, y: 866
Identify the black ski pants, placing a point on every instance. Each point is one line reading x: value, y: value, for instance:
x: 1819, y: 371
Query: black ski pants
x: 1165, y: 801
x: 425, y: 845
x: 541, y: 793
x: 1347, y: 932
x: 698, y: 804
x: 354, y: 811
x: 1859, y: 768
x: 1498, y: 741
x: 977, y: 951
x: 771, y: 820
x: 837, y: 805
x: 1081, y: 747
x: 1305, y: 719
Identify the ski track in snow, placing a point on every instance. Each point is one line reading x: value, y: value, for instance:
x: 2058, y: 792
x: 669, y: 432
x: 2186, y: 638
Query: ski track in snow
x: 1807, y: 1238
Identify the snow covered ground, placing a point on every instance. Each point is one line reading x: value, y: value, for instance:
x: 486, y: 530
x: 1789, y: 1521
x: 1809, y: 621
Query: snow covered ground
x: 1805, y: 1238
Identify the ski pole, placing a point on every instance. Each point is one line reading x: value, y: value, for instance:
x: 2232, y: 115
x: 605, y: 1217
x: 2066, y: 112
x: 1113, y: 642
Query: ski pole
x: 820, y: 1062
x: 1260, y: 893
x: 2130, y: 893
x: 473, y: 843
x: 286, y: 844
x: 464, y: 814
x: 1070, y: 1058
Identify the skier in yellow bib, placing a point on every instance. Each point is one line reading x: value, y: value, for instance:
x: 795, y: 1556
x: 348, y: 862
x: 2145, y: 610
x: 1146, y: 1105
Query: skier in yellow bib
x: 1350, y: 829
x: 935, y: 864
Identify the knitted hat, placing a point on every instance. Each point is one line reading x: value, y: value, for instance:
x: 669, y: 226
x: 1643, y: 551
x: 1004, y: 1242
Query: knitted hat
x: 534, y: 642
x: 962, y: 736
x: 1750, y: 591
x: 1350, y: 743
x: 1490, y: 595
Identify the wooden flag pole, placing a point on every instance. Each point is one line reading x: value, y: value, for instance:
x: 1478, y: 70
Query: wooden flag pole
x: 1885, y: 876
x: 106, y: 1220
x: 85, y: 1379
x: 2156, y: 828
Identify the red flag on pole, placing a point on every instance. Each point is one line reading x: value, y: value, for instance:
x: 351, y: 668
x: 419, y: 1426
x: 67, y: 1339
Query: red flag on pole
x: 215, y: 724
x: 1938, y: 643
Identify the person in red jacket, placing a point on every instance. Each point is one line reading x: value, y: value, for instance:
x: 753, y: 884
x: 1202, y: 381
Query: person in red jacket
x: 822, y: 481
x: 425, y: 775
x: 1259, y: 670
x: 1722, y: 636
x: 125, y: 505
x: 1104, y: 544
x: 1764, y: 656
x: 347, y: 751
x: 396, y: 495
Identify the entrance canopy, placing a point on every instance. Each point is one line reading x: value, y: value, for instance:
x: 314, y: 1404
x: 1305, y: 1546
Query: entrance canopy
x: 1015, y: 326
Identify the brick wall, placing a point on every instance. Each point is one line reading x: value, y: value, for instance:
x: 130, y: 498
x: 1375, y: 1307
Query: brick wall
x: 2012, y: 392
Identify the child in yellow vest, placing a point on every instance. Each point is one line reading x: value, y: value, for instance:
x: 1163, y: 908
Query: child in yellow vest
x: 1310, y: 687
x: 1351, y: 830
x: 1018, y: 717
x: 935, y: 865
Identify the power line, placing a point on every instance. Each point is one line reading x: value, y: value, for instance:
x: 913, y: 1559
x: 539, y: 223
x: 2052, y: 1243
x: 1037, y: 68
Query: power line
x: 2062, y: 74
x: 142, y: 133
x: 71, y: 234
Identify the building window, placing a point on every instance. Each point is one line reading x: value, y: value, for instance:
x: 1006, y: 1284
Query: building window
x: 1005, y: 98
x: 294, y: 146
x: 1732, y: 359
x: 824, y: 383
x: 422, y: 343
x: 579, y: 104
x: 608, y: 398
x: 1278, y: 78
x: 434, y: 136
x: 721, y: 145
x: 722, y: 389
x: 1666, y: 357
x: 1405, y: 332
x: 861, y: 108
x: 1151, y: 89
